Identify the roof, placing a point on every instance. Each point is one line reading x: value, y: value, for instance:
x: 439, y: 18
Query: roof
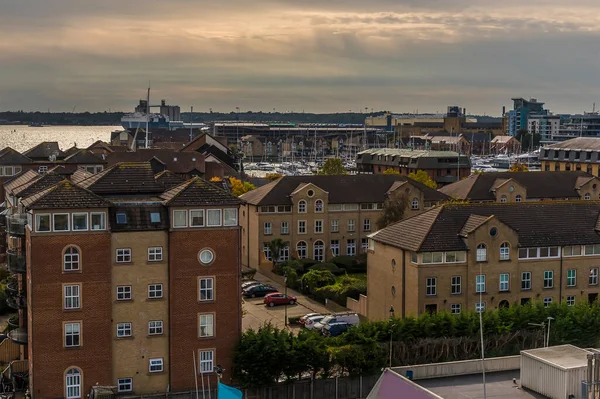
x: 564, y: 357
x: 71, y: 151
x: 84, y: 157
x: 9, y: 156
x: 40, y: 183
x: 80, y: 175
x: 124, y: 178
x: 538, y: 224
x: 392, y: 385
x: 102, y: 144
x: 361, y: 188
x: 44, y: 150
x: 173, y: 160
x: 64, y: 195
x: 168, y: 179
x: 23, y: 178
x: 559, y: 185
x: 198, y: 192
x: 578, y: 144
x: 502, y: 139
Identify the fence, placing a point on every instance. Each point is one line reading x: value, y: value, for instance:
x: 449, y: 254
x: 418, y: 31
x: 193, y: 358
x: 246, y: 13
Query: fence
x: 9, y: 351
x: 359, y: 306
x: 463, y: 367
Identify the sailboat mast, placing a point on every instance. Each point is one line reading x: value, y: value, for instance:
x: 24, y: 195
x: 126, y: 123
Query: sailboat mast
x: 147, y: 116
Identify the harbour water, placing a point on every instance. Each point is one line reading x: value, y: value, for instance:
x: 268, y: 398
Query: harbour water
x: 22, y: 138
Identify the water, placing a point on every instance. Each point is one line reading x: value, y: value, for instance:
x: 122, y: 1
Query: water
x: 22, y: 138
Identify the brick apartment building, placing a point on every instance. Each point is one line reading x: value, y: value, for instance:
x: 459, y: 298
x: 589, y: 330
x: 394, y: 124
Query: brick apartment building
x: 322, y: 216
x: 122, y: 280
x: 512, y: 253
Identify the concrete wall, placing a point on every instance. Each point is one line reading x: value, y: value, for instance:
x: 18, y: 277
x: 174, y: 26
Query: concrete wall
x: 465, y: 367
x: 359, y: 306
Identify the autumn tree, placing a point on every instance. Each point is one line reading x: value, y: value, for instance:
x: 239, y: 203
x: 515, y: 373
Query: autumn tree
x: 215, y: 179
x: 390, y: 171
x: 422, y: 177
x: 239, y: 187
x: 518, y: 167
x: 333, y: 167
x: 394, y: 209
x: 273, y: 176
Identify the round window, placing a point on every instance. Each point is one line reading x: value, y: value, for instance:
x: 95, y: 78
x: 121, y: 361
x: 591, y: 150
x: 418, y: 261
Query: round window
x: 393, y: 264
x: 393, y: 291
x: 206, y: 256
x: 310, y: 193
x: 493, y: 232
x: 511, y: 188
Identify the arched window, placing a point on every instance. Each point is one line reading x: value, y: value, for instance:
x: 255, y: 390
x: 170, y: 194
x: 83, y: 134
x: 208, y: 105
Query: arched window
x: 481, y: 253
x: 505, y: 251
x: 518, y: 198
x: 318, y: 251
x: 71, y: 259
x: 318, y: 206
x: 587, y: 196
x: 415, y: 203
x: 301, y: 206
x: 73, y: 383
x: 301, y: 249
x: 503, y: 198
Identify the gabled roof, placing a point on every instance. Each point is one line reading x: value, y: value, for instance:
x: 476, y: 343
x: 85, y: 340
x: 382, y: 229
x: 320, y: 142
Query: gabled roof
x: 8, y: 156
x: 198, y: 192
x: 84, y: 156
x: 175, y: 161
x: 71, y: 151
x: 39, y: 184
x: 502, y: 139
x: 64, y: 195
x: 479, y: 187
x: 168, y: 179
x: 473, y: 223
x: 23, y: 178
x: 80, y: 175
x: 124, y: 178
x: 360, y: 188
x: 396, y: 234
x: 101, y: 144
x: 44, y: 150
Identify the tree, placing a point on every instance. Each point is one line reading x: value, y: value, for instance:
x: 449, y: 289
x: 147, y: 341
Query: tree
x: 215, y: 179
x: 333, y: 167
x: 316, y: 279
x: 239, y: 187
x: 390, y: 171
x: 273, y: 176
x: 422, y: 177
x: 275, y: 246
x: 394, y: 208
x: 518, y: 167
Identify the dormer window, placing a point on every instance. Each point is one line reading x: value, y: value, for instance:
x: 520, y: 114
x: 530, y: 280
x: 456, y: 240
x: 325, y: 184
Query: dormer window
x: 154, y: 217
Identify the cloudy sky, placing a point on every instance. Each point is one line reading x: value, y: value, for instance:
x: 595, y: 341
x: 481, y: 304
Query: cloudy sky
x: 312, y: 55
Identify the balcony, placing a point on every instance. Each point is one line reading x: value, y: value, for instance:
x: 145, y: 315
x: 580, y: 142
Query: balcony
x: 16, y: 262
x: 15, y: 224
x: 13, y: 322
x: 17, y: 301
x: 18, y: 335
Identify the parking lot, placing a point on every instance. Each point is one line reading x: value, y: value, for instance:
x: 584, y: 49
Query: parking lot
x: 256, y: 313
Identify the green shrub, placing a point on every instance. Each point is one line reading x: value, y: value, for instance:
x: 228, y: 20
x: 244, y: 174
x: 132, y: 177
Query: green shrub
x: 345, y: 287
x: 352, y: 264
x: 316, y: 279
x: 293, y: 281
x: 329, y: 267
x: 307, y: 263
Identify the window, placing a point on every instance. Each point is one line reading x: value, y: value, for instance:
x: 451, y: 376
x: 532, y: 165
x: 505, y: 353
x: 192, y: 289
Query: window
x: 592, y: 249
x: 366, y: 207
x: 455, y: 256
x: 284, y: 208
x: 432, y: 257
x: 197, y: 218
x: 80, y: 221
x: 573, y: 250
x: 431, y: 286
x: 230, y: 217
x: 480, y: 283
x: 284, y: 228
x: 301, y: 249
x: 518, y: 198
x: 301, y: 206
x: 206, y: 256
x: 155, y: 365
x: 72, y: 296
x: 206, y: 288
x: 503, y: 198
x: 61, y: 221
x: 456, y: 285
x: 371, y: 244
x: 351, y: 247
x: 124, y: 330
x: 72, y: 379
x: 121, y: 218
x: 155, y: 327
x: 335, y: 207
x: 571, y: 278
x: 98, y: 220
x: 125, y: 384
x: 335, y: 247
x: 548, y: 279
x: 123, y: 255
x: 42, y: 223
x: 123, y: 292
x: 526, y: 280
x: 267, y: 251
x: 481, y: 253
x: 571, y: 300
x: 364, y: 244
x: 72, y: 335
x: 587, y: 196
x: 504, y: 282
x: 414, y: 204
x: 267, y: 209
x: 154, y: 217
x: 318, y: 226
x: 318, y: 251
x: 505, y: 251
x: 206, y: 359
x: 593, y: 280
x: 480, y: 307
x: 214, y: 217
x: 318, y: 206
x: 301, y: 226
x: 267, y: 229
x: 155, y: 254
x: 206, y: 325
x: 335, y: 225
x: 179, y: 218
x: 455, y: 308
x: 155, y: 291
x: 351, y: 225
x: 367, y: 225
x: 42, y: 169
x: 547, y: 301
x: 71, y: 259
x: 284, y: 254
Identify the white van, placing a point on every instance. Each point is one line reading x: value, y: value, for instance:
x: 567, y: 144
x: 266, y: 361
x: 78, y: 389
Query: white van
x: 346, y: 317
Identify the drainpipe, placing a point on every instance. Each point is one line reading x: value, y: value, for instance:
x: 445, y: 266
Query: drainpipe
x: 560, y: 287
x: 403, y: 283
x: 170, y: 299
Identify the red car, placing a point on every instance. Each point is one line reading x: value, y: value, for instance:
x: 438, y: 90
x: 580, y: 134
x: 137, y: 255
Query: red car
x: 277, y: 298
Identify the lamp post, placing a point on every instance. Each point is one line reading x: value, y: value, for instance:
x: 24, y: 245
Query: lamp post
x: 286, y: 303
x: 391, y: 332
x: 550, y: 318
x: 543, y: 325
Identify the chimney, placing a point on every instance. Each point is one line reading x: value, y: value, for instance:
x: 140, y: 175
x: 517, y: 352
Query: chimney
x: 503, y: 110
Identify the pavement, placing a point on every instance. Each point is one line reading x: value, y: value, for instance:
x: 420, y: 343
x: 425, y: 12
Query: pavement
x: 256, y: 313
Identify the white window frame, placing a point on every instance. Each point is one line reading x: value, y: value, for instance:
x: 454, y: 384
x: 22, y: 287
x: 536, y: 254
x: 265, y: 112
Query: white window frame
x: 155, y: 327
x: 505, y: 251
x: 86, y: 220
x: 351, y: 225
x: 526, y: 278
x: 228, y: 220
x: 547, y: 301
x: 102, y: 220
x: 208, y: 291
x: 480, y: 283
x: 335, y: 226
x: 351, y: 247
x: 155, y: 291
x: 304, y: 253
x: 267, y: 228
x: 185, y: 218
x: 431, y: 286
x: 72, y: 380
x: 123, y: 383
x: 267, y: 251
x: 155, y: 254
x: 302, y: 206
x: 367, y: 225
x: 321, y: 209
x: 202, y: 215
x: 124, y: 254
x: 75, y: 331
x: 214, y: 211
x: 54, y: 215
x: 593, y: 279
x: 431, y: 261
x: 38, y: 217
x: 206, y: 325
x: 504, y: 282
x: 570, y: 251
x: 124, y: 293
x: 156, y: 365
x: 285, y: 228
x: 456, y: 285
x: 124, y: 329
x: 455, y: 308
x: 206, y: 360
x: 595, y: 250
x: 72, y: 296
x: 335, y: 248
x: 284, y: 254
x: 549, y: 279
x: 318, y: 226
x: 319, y: 251
x: 302, y: 223
x: 571, y: 300
x: 503, y: 199
x: 482, y: 253
x: 479, y: 307
x: 574, y: 277
x: 74, y: 259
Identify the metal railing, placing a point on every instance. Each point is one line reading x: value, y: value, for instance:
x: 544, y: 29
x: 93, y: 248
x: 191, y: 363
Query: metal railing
x: 15, y: 224
x: 16, y: 262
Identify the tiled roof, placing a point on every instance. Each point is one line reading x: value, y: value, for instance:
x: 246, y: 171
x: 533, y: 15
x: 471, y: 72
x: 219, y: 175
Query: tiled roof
x: 124, y: 178
x: 478, y: 187
x: 578, y: 143
x: 168, y: 179
x: 84, y: 157
x: 8, y: 156
x: 44, y: 150
x: 472, y: 223
x: 502, y: 139
x: 80, y: 175
x: 71, y: 151
x: 538, y: 224
x: 39, y: 184
x: 22, y: 178
x: 175, y: 161
x: 198, y: 192
x: 101, y: 144
x: 360, y: 188
x: 64, y: 195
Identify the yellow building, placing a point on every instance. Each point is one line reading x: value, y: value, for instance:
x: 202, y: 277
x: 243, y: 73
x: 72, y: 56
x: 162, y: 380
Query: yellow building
x: 578, y: 154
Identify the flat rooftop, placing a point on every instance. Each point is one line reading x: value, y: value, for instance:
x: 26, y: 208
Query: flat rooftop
x: 562, y: 356
x: 498, y: 385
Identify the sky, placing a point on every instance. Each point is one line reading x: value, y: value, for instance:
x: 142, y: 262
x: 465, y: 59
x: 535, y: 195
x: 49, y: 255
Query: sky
x: 299, y: 55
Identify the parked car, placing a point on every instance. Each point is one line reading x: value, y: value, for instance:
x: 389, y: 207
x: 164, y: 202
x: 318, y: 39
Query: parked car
x: 247, y: 284
x: 302, y: 319
x: 335, y: 329
x: 258, y: 290
x: 346, y: 317
x: 311, y: 321
x: 277, y: 298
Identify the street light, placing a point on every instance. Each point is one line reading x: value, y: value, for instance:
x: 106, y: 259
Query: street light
x: 286, y: 303
x: 550, y: 318
x: 543, y: 325
x: 391, y: 332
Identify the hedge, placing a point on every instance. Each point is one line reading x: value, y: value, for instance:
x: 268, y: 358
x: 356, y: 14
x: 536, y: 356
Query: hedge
x: 329, y: 267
